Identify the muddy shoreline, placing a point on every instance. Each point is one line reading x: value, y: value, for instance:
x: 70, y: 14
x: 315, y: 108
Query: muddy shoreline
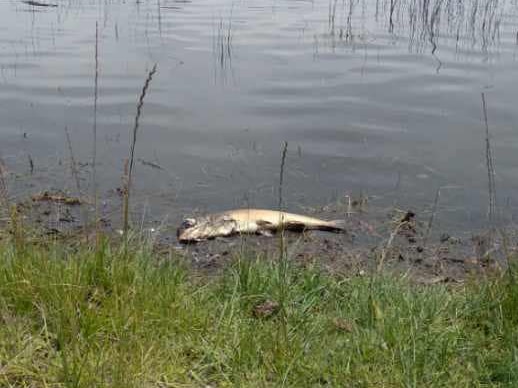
x: 402, y: 242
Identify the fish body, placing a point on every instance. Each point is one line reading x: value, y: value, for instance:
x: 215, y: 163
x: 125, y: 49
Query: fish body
x: 250, y: 221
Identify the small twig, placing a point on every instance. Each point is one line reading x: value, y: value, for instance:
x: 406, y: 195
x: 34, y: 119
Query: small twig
x: 150, y: 164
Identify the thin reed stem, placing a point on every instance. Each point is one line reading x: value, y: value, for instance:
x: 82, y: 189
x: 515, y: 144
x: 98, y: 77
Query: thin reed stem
x: 490, y: 167
x: 94, y: 130
x: 75, y: 173
x: 73, y: 164
x: 432, y: 218
x: 282, y: 268
x: 132, y: 150
x: 96, y: 97
x: 281, y: 174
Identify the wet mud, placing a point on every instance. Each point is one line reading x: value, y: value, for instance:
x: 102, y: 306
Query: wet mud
x: 393, y: 241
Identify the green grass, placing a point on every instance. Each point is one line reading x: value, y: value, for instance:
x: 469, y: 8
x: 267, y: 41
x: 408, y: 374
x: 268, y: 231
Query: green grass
x: 78, y: 318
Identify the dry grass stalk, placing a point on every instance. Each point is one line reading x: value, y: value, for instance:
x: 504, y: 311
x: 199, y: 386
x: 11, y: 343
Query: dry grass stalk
x: 73, y: 165
x: 75, y: 175
x: 387, y: 246
x: 432, y: 218
x: 4, y: 192
x: 282, y: 247
x: 282, y: 267
x: 124, y: 189
x: 94, y: 148
x: 17, y: 230
x: 490, y: 167
x: 129, y: 175
x: 96, y: 97
x: 281, y: 174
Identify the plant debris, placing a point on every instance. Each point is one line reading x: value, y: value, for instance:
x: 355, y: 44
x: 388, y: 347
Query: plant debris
x: 38, y: 4
x: 343, y: 325
x: 57, y: 197
x: 266, y: 309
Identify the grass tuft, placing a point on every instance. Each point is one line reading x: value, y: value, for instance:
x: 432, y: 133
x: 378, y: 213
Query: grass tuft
x: 83, y: 317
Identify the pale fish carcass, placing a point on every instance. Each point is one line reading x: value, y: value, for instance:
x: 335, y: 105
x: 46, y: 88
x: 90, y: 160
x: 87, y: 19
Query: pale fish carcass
x: 250, y: 221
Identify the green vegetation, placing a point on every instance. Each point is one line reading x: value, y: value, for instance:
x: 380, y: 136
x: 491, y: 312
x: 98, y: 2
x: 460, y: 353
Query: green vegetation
x: 76, y: 317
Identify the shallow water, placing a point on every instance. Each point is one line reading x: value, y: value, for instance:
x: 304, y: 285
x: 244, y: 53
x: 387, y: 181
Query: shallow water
x: 374, y: 97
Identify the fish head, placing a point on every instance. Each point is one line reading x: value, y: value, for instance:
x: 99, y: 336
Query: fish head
x: 187, y: 230
x: 194, y: 230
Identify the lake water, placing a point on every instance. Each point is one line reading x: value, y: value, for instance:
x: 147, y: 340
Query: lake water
x: 374, y: 97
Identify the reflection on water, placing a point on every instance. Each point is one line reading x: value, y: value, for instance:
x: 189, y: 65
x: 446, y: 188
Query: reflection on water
x: 374, y: 96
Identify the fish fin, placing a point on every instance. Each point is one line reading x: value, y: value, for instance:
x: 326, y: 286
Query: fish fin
x: 264, y: 225
x: 338, y: 226
x: 264, y: 228
x: 295, y: 226
x: 265, y: 232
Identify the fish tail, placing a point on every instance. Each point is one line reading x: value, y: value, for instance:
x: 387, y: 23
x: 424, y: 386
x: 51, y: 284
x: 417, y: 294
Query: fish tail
x: 337, y: 226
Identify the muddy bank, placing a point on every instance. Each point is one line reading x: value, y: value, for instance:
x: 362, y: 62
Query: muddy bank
x: 451, y: 259
x: 391, y: 240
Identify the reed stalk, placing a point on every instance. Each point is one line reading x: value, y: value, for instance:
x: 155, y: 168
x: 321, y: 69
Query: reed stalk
x: 131, y: 159
x: 283, y: 259
x: 490, y: 168
x: 94, y: 132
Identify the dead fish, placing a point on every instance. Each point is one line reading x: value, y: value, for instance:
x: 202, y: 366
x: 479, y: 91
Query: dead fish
x: 250, y: 221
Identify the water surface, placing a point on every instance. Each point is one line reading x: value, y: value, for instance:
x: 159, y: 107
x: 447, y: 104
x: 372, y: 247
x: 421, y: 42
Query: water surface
x: 376, y: 97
